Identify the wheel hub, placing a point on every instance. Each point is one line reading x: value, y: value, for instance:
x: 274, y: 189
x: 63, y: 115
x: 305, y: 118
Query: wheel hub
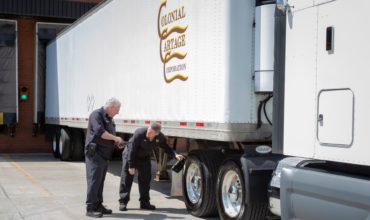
x: 231, y: 192
x: 193, y: 183
x: 61, y: 146
x: 54, y: 144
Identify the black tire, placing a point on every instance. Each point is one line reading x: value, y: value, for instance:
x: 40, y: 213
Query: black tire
x: 78, y: 144
x: 55, y: 143
x: 208, y: 162
x: 65, y: 145
x: 246, y: 211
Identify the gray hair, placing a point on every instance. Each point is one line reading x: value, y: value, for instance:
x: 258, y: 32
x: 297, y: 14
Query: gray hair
x: 113, y: 102
x: 155, y: 127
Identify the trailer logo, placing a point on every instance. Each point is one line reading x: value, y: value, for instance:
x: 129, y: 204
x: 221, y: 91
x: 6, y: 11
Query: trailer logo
x: 171, y: 31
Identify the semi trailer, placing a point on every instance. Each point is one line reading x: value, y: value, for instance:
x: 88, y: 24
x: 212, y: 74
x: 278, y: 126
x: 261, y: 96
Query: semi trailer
x: 267, y: 98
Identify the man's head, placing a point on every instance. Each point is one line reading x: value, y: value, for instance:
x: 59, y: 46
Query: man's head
x: 153, y: 131
x: 112, y: 107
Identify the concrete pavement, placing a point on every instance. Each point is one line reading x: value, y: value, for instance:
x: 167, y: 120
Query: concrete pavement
x: 38, y: 186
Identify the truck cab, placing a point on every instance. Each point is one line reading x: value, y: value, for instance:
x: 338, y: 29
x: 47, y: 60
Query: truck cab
x: 326, y: 172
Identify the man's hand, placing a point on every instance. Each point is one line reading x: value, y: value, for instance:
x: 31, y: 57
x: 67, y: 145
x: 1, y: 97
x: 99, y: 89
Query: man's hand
x: 131, y: 171
x: 118, y: 141
x: 121, y: 145
x: 179, y: 157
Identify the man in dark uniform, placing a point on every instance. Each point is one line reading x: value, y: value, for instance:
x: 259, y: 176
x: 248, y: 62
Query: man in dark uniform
x: 100, y: 142
x: 136, y: 157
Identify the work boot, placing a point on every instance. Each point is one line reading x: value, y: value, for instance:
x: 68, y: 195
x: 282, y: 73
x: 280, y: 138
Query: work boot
x: 105, y: 211
x: 122, y: 207
x: 94, y: 213
x: 147, y: 206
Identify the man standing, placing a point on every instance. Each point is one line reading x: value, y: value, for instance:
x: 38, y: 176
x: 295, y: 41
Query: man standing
x: 100, y: 143
x: 136, y: 157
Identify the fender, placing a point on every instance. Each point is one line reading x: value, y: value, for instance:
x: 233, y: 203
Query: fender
x: 257, y: 172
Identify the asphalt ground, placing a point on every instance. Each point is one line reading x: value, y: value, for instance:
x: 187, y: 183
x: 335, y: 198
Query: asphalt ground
x: 38, y: 186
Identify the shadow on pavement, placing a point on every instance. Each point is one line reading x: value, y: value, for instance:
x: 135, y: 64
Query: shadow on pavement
x: 163, y: 187
x: 166, y: 210
x: 159, y: 213
x: 128, y: 215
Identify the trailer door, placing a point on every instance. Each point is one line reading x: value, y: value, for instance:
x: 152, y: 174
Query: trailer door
x: 8, y: 73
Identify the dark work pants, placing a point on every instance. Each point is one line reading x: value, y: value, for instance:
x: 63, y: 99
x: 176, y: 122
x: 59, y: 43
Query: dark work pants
x: 144, y: 176
x: 96, y: 169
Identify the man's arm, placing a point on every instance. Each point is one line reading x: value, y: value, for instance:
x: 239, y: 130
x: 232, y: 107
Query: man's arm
x: 108, y: 136
x: 169, y: 150
x: 99, y: 130
x: 132, y: 148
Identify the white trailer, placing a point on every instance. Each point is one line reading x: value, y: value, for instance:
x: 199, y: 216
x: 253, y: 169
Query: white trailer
x: 207, y: 70
x: 204, y: 89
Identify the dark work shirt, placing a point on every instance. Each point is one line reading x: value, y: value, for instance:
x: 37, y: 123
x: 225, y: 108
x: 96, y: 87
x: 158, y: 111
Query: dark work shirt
x: 99, y: 122
x: 139, y: 147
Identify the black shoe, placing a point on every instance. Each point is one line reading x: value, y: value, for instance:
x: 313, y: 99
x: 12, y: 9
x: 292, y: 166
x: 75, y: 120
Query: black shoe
x: 147, y: 206
x: 122, y: 207
x: 105, y: 211
x: 94, y: 213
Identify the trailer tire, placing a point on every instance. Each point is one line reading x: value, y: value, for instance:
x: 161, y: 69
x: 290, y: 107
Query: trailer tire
x: 65, y: 145
x: 231, y: 187
x: 55, y: 143
x: 199, y: 182
x: 78, y: 144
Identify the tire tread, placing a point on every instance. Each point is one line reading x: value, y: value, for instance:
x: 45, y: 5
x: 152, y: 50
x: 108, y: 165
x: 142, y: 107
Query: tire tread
x: 210, y: 161
x: 254, y: 211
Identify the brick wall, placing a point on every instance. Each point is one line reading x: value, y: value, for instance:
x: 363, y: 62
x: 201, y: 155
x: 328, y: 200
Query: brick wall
x: 24, y: 142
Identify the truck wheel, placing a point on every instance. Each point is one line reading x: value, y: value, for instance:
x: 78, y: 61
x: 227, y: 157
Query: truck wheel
x: 199, y: 182
x: 55, y: 144
x: 231, y: 191
x: 78, y: 144
x: 65, y: 145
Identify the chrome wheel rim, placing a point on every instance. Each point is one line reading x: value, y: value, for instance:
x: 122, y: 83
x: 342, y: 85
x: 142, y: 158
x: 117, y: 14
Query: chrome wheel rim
x: 55, y: 144
x: 194, y: 183
x: 231, y: 193
x: 60, y: 146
